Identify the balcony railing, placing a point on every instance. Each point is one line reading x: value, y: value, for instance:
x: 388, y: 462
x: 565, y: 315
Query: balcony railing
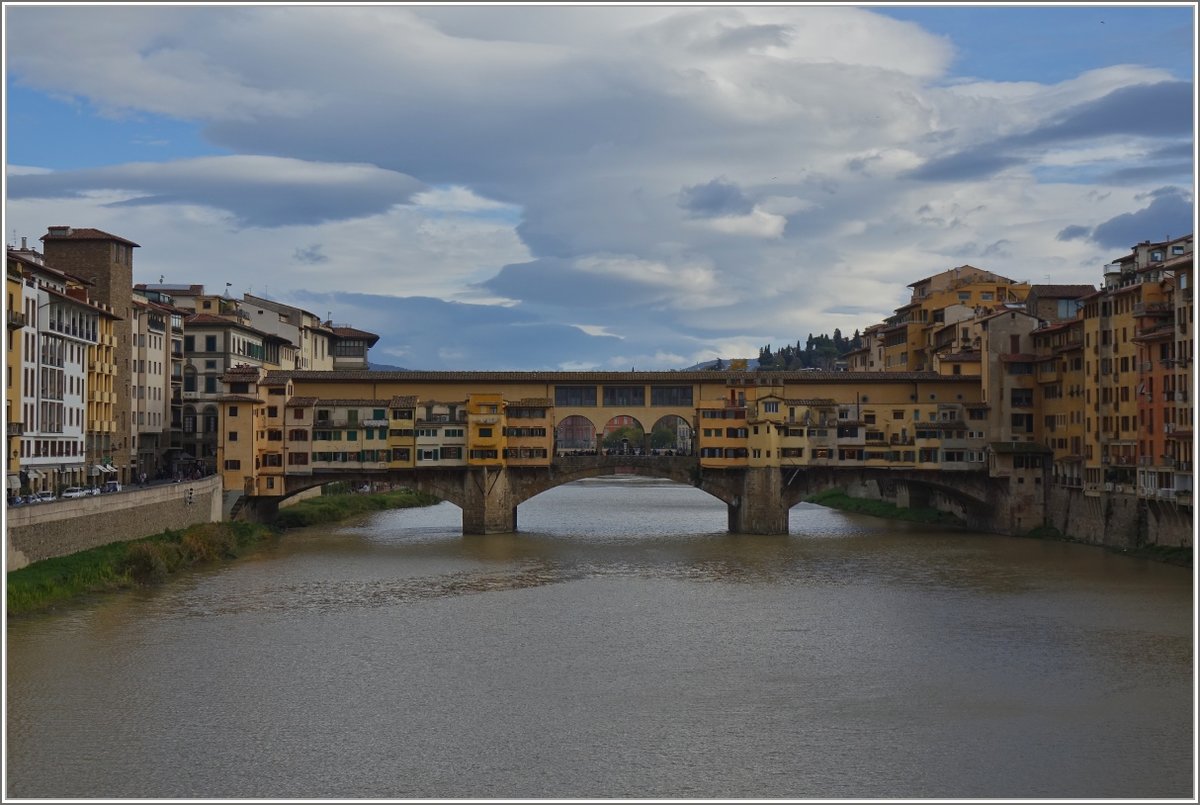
x: 16, y: 319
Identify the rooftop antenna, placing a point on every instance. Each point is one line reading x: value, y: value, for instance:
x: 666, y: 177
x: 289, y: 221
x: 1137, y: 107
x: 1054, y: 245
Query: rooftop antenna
x: 160, y: 279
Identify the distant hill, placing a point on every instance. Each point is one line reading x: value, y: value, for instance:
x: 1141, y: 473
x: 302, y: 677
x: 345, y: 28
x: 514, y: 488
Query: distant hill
x: 751, y: 363
x: 384, y: 367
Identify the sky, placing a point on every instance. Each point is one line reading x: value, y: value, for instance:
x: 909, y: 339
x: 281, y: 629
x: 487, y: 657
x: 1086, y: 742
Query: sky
x: 600, y: 187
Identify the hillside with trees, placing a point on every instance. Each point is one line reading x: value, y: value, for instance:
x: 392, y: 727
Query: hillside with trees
x: 818, y: 352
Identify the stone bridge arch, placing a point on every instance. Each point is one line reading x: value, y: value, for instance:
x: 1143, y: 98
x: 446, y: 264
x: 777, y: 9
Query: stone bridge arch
x: 759, y: 499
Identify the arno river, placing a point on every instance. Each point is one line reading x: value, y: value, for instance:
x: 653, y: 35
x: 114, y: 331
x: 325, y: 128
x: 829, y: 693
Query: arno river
x: 620, y: 645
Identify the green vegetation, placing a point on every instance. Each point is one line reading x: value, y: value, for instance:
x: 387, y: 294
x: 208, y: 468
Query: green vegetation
x: 837, y: 499
x: 121, y: 565
x: 818, y: 352
x: 329, y: 508
x: 151, y: 560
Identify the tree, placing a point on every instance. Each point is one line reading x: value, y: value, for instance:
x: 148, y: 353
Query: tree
x: 618, y: 437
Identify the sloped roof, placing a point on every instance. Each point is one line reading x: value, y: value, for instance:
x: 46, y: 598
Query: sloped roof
x: 1062, y: 291
x: 85, y: 233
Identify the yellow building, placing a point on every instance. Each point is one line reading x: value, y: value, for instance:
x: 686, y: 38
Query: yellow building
x: 1060, y: 379
x: 103, y: 418
x: 402, y: 436
x: 911, y: 336
x: 529, y: 430
x: 486, y: 442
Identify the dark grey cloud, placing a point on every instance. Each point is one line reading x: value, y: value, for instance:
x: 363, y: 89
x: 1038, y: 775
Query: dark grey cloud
x: 1162, y: 110
x: 754, y: 36
x: 1171, y: 213
x: 433, y: 334
x: 1148, y: 110
x: 965, y: 165
x: 310, y: 255
x: 718, y: 197
x: 1141, y: 174
x: 1074, y: 232
x: 258, y: 191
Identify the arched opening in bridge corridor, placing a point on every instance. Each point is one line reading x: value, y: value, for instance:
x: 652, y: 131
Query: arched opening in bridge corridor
x: 672, y: 435
x: 623, y: 435
x: 575, y: 433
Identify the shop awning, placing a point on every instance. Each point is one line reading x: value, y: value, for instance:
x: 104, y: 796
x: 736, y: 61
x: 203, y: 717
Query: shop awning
x: 96, y: 470
x: 14, y: 482
x: 34, y: 474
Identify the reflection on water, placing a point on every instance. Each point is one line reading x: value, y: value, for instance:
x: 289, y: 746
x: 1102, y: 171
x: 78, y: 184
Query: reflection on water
x: 621, y: 644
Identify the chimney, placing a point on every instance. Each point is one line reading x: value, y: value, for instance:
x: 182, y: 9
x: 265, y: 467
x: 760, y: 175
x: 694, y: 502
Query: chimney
x: 24, y: 245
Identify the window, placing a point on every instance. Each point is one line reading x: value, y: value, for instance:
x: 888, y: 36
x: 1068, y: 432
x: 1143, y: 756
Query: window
x: 671, y: 395
x: 210, y: 343
x: 233, y: 437
x: 624, y: 395
x: 1177, y: 249
x: 272, y: 411
x: 210, y: 384
x: 401, y: 413
x: 233, y: 464
x: 233, y: 410
x: 1022, y: 398
x: 297, y: 458
x: 189, y: 343
x: 771, y: 407
x: 575, y: 395
x: 485, y: 433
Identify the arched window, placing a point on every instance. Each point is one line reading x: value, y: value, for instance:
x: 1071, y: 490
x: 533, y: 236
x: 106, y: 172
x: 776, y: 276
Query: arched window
x: 210, y: 419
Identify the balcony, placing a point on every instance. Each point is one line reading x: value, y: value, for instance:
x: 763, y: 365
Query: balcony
x: 16, y: 319
x: 16, y: 428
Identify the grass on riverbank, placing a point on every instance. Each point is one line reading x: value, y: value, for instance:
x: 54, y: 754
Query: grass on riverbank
x: 151, y: 560
x: 121, y: 565
x: 837, y: 499
x: 332, y: 508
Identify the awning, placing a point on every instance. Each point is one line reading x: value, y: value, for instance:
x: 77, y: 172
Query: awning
x: 96, y: 469
x: 14, y: 482
x: 107, y: 468
x: 34, y: 474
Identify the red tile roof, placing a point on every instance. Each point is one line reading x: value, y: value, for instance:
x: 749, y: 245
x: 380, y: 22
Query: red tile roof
x: 1062, y: 291
x: 85, y: 233
x: 351, y: 332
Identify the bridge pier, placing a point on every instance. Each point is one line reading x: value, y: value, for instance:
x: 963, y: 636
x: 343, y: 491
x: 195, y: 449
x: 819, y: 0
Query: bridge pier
x: 488, y: 505
x: 760, y: 508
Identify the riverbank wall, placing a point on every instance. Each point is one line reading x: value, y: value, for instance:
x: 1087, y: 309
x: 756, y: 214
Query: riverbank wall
x: 64, y: 527
x: 1116, y: 520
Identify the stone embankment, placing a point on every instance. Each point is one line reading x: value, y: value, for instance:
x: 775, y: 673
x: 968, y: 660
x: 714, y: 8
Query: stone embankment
x: 63, y: 527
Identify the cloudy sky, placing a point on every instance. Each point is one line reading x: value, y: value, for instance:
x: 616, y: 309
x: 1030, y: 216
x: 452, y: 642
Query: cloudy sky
x: 563, y: 187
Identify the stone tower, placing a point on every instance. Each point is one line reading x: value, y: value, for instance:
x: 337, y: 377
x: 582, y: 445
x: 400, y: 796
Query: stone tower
x: 107, y: 262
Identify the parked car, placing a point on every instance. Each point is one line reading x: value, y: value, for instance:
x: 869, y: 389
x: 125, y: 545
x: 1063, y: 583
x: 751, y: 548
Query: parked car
x: 76, y: 492
x: 111, y: 486
x: 44, y: 497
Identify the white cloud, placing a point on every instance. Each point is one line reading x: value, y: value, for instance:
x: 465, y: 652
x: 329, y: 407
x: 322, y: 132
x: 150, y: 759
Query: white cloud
x: 534, y: 158
x: 757, y: 223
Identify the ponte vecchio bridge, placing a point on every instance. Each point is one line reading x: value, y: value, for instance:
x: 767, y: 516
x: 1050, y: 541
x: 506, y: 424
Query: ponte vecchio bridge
x: 488, y: 441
